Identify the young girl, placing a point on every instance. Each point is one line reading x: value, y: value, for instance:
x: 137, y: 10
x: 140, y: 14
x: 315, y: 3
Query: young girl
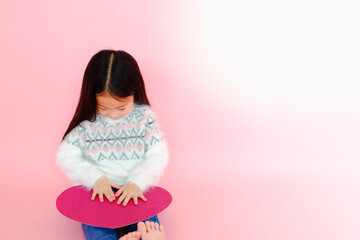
x: 113, y: 143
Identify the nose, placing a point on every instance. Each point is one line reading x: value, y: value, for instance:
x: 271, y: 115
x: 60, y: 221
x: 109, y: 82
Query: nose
x: 114, y: 115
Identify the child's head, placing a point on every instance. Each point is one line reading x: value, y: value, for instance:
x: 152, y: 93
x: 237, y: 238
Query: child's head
x: 114, y: 72
x: 109, y: 75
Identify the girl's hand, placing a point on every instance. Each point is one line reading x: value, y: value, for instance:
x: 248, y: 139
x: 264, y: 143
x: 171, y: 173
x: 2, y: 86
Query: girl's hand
x: 128, y: 191
x: 103, y: 187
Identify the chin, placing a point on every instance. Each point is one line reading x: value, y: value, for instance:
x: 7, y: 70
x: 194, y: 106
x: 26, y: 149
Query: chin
x: 118, y: 118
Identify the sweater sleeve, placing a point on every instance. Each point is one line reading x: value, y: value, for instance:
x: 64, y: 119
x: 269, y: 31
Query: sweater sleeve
x: 149, y: 171
x: 72, y: 161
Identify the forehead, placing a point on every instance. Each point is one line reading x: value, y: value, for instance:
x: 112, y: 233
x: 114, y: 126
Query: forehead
x: 106, y: 100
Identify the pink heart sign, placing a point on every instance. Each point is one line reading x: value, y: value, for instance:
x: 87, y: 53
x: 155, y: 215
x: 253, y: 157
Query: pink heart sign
x: 76, y: 204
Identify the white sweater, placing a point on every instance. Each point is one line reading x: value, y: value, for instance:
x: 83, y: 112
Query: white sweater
x: 131, y: 149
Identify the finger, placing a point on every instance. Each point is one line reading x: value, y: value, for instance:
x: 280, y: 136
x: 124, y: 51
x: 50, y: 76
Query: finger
x: 135, y: 200
x: 108, y: 196
x: 121, y: 198
x: 119, y: 192
x: 112, y: 194
x: 126, y: 200
x: 162, y: 228
x: 115, y: 185
x: 93, y: 195
x: 101, y: 197
x: 143, y: 197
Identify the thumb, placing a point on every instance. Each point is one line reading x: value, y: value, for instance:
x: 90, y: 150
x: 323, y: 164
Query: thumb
x: 143, y: 197
x: 114, y: 185
x: 93, y: 195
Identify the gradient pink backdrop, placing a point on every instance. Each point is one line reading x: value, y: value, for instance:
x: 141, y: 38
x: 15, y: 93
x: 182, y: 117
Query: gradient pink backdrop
x: 259, y: 101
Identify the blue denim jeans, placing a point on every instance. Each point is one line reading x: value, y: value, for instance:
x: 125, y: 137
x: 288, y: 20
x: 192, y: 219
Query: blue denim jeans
x: 100, y: 233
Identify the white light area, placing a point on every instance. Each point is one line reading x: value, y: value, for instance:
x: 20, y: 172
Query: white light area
x: 302, y: 53
x: 289, y: 74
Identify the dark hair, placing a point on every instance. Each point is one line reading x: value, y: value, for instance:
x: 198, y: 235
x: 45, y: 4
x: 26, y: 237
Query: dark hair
x: 115, y: 72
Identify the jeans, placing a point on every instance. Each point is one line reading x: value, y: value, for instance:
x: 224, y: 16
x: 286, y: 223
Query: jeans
x: 100, y: 233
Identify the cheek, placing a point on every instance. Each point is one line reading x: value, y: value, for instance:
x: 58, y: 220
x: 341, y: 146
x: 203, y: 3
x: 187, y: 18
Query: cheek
x: 103, y: 112
x: 127, y: 111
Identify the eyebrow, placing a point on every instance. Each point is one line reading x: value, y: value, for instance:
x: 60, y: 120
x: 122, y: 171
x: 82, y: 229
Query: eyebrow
x: 116, y: 107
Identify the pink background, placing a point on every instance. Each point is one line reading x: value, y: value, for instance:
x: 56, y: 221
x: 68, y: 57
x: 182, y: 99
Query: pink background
x: 259, y: 102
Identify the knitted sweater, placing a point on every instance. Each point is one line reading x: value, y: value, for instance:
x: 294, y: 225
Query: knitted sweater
x: 131, y: 149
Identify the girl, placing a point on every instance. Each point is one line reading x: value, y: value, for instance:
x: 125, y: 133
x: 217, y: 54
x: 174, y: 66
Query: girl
x: 113, y: 143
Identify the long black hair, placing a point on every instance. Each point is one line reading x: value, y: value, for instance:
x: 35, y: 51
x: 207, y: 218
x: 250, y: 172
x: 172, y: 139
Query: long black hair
x: 115, y: 72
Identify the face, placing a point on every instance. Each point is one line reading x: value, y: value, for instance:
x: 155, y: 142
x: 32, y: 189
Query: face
x: 112, y: 107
